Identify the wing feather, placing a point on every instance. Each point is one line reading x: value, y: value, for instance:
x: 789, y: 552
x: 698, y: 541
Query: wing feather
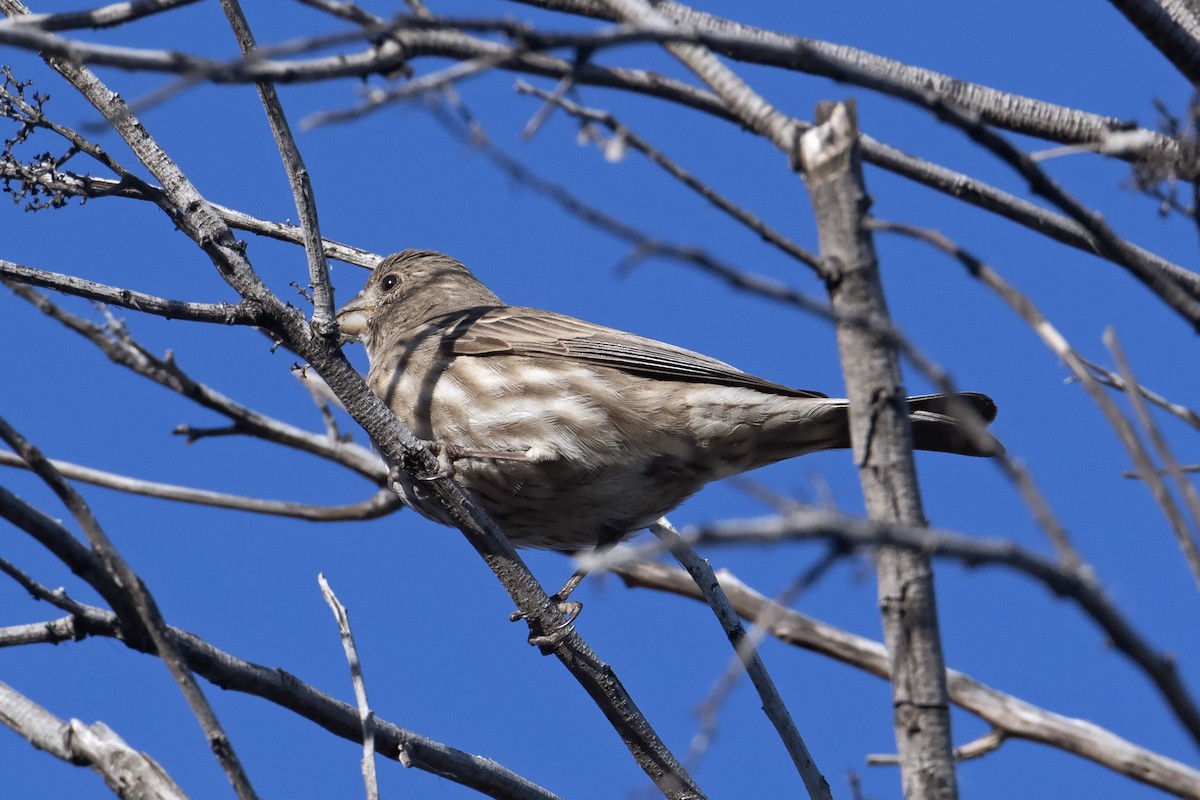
x: 543, y: 334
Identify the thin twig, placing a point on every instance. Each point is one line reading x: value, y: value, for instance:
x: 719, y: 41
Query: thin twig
x: 133, y: 594
x: 87, y: 186
x: 298, y: 179
x: 1110, y: 378
x: 1152, y: 477
x: 760, y: 228
x: 108, y: 16
x: 365, y: 715
x: 644, y: 245
x: 121, y: 349
x: 746, y: 652
x: 1024, y: 307
x: 760, y: 630
x: 380, y: 504
x: 379, y: 98
x: 1016, y: 717
x: 275, y: 685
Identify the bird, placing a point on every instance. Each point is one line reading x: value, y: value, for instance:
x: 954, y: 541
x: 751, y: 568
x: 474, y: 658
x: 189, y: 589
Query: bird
x: 574, y: 436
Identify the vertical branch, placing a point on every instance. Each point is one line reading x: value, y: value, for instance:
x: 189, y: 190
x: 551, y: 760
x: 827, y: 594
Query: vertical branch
x: 882, y: 439
x: 366, y: 716
x: 293, y: 162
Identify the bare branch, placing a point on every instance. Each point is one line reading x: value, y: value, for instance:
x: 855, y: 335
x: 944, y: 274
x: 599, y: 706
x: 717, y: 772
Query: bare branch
x: 87, y: 186
x: 1047, y: 521
x: 242, y: 313
x: 1110, y: 378
x: 709, y: 709
x: 645, y: 245
x: 51, y: 632
x: 293, y: 163
x: 380, y: 504
x: 365, y: 715
x: 108, y: 16
x: 628, y: 137
x: 130, y: 593
x: 1013, y: 112
x: 446, y: 43
x: 1152, y: 477
x: 287, y: 691
x: 121, y: 349
x: 379, y: 98
x: 881, y: 436
x: 1172, y: 27
x: 1016, y: 717
x: 747, y: 653
x: 129, y: 774
x: 1077, y: 584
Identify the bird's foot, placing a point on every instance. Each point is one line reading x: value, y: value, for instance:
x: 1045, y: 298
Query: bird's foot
x: 568, y: 608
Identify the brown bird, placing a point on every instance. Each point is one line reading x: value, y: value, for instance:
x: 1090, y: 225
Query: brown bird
x: 572, y: 435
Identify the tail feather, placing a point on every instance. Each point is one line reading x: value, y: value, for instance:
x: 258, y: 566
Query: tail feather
x: 945, y: 404
x: 938, y: 424
x: 942, y: 423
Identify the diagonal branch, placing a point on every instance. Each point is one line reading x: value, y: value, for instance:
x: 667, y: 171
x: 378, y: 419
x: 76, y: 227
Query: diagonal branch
x: 1172, y: 27
x: 1152, y: 477
x: 274, y: 685
x: 108, y: 16
x: 746, y: 651
x: 121, y: 349
x: 127, y: 589
x: 128, y: 772
x: 1016, y: 717
x: 628, y: 137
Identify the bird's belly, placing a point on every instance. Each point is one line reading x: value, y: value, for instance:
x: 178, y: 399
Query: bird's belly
x: 574, y: 461
x: 567, y: 456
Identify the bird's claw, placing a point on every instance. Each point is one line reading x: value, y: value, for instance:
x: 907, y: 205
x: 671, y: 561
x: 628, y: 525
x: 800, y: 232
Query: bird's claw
x: 446, y: 455
x: 548, y: 641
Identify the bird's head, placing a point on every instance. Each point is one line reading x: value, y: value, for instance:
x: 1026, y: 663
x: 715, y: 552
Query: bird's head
x: 409, y: 288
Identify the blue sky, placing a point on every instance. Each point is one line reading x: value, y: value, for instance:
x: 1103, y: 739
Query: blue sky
x: 439, y: 655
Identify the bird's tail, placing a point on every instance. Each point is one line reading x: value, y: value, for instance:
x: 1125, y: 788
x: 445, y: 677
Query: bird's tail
x: 939, y: 424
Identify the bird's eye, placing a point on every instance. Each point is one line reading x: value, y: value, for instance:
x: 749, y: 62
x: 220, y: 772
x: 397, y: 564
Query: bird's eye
x: 389, y: 282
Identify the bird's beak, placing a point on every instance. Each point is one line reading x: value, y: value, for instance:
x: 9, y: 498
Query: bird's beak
x: 352, y: 318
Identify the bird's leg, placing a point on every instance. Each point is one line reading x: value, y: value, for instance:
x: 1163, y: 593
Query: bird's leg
x: 447, y: 454
x: 568, y: 608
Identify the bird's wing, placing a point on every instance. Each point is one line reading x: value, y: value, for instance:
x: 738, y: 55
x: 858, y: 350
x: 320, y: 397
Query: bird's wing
x: 544, y: 334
